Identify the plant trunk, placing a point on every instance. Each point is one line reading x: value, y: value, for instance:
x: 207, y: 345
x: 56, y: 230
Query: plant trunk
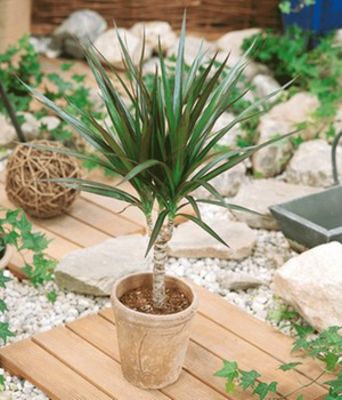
x: 159, y: 261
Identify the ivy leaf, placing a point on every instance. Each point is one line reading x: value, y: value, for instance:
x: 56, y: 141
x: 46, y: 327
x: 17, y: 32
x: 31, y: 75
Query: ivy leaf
x: 248, y: 379
x: 229, y: 370
x: 300, y: 397
x: 3, y: 279
x: 285, y: 7
x: 66, y: 66
x: 303, y: 331
x: 3, y: 306
x: 331, y: 360
x: 52, y: 296
x: 5, y: 333
x: 263, y: 389
x: 289, y: 366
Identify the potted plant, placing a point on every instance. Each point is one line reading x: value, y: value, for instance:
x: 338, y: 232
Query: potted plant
x: 163, y: 144
x: 316, y: 16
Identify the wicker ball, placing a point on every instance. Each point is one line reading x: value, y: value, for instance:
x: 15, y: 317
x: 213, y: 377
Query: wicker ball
x: 26, y: 184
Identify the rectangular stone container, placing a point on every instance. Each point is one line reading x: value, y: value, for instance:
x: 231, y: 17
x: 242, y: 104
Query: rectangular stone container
x: 312, y: 220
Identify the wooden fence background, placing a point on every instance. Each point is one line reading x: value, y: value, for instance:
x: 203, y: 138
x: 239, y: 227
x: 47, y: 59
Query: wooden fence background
x: 205, y: 16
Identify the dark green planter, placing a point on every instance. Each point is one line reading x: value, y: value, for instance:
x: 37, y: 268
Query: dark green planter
x: 315, y: 219
x: 312, y: 220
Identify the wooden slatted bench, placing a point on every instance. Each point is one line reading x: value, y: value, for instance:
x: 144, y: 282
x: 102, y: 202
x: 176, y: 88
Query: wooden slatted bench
x: 81, y: 360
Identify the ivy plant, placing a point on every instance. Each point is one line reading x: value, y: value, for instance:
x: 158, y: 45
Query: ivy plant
x: 325, y: 347
x: 16, y: 231
x: 287, y: 7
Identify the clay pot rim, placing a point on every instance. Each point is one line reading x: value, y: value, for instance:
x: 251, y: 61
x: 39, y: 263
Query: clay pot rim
x: 156, y: 317
x: 6, y: 257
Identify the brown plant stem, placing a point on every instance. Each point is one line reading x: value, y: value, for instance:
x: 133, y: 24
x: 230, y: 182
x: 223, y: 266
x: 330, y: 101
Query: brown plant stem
x: 159, y: 262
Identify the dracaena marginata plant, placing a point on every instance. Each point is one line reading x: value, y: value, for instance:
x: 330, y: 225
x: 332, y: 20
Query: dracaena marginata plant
x: 163, y: 142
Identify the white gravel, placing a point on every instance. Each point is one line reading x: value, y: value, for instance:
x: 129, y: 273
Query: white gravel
x: 30, y: 312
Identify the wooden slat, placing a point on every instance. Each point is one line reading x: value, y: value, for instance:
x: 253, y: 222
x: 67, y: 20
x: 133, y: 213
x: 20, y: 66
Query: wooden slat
x: 92, y: 364
x: 225, y: 345
x: 199, y: 361
x: 254, y: 331
x: 116, y: 206
x: 64, y: 226
x: 103, y: 220
x: 104, y: 338
x: 28, y: 360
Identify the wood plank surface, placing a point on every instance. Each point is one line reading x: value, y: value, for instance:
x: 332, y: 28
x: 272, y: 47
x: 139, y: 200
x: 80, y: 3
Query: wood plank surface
x: 105, y: 340
x: 99, y: 369
x: 199, y: 361
x: 255, y: 331
x: 225, y: 345
x: 30, y: 361
x: 103, y: 220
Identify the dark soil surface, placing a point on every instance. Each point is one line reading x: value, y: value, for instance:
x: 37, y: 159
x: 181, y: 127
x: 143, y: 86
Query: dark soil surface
x: 141, y: 300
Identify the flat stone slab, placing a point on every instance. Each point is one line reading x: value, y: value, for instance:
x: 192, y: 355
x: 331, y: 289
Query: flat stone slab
x: 189, y: 240
x: 95, y: 269
x: 259, y: 195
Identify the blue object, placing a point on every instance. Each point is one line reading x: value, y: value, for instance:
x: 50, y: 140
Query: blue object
x: 322, y: 17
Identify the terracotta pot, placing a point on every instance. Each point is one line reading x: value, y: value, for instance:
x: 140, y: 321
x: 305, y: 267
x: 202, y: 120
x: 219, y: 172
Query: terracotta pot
x: 6, y: 257
x: 152, y: 347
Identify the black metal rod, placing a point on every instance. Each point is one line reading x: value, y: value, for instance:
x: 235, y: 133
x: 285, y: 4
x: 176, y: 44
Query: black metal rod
x: 11, y: 113
x: 333, y: 158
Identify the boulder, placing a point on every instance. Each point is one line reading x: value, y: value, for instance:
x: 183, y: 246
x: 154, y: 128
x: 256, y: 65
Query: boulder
x: 260, y: 194
x: 230, y: 138
x: 189, y: 240
x: 79, y: 28
x: 109, y: 46
x: 232, y: 41
x: 227, y: 184
x: 7, y: 132
x: 338, y: 37
x: 311, y: 165
x: 95, y: 269
x: 30, y: 126
x: 155, y: 31
x: 251, y: 69
x: 312, y: 284
x: 265, y: 85
x: 50, y: 122
x: 281, y: 119
x: 192, y: 46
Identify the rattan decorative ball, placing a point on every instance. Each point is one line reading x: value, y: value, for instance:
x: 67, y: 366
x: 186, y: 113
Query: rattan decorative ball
x: 27, y: 185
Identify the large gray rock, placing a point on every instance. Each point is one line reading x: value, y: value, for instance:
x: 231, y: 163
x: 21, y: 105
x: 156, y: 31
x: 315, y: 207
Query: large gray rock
x: 251, y: 69
x: 80, y: 27
x: 260, y: 194
x: 265, y: 85
x: 30, y: 126
x: 227, y: 184
x: 232, y: 41
x: 7, y: 132
x: 312, y: 284
x: 230, y: 138
x: 155, y: 31
x: 109, y: 46
x: 95, y: 269
x: 311, y: 165
x: 282, y: 119
x: 189, y: 240
x: 192, y: 46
